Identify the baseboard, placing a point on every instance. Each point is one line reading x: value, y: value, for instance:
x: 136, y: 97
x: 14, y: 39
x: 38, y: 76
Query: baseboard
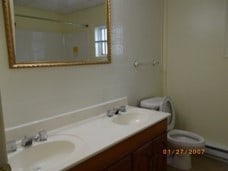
x: 216, y: 152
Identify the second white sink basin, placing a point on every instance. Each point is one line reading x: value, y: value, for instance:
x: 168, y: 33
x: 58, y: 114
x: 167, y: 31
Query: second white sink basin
x: 130, y: 118
x: 42, y: 156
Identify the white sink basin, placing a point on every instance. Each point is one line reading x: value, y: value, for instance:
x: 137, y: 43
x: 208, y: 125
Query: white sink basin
x: 130, y: 118
x: 45, y: 155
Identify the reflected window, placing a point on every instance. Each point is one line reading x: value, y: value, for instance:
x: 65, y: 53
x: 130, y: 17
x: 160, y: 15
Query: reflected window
x: 101, y: 49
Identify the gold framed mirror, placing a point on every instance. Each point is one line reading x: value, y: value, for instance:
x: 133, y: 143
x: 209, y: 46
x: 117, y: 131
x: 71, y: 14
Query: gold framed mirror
x: 43, y: 36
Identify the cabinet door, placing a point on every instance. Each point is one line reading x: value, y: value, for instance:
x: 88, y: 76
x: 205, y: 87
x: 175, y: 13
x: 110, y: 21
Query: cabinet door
x: 149, y: 157
x: 124, y: 164
x: 142, y: 158
x: 159, y: 159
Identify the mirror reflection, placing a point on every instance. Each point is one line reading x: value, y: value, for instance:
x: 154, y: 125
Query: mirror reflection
x: 56, y: 32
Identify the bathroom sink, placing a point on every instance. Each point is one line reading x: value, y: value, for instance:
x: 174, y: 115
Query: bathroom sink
x: 45, y: 155
x: 131, y: 118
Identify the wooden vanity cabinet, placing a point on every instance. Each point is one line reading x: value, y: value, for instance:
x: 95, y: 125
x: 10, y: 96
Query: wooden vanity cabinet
x: 149, y: 157
x: 141, y: 152
x: 124, y: 164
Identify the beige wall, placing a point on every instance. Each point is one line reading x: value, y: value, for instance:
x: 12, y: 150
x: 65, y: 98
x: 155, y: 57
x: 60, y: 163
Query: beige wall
x: 33, y: 94
x: 196, y: 71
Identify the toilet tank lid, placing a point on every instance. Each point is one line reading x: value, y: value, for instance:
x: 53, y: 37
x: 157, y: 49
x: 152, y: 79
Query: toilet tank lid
x: 151, y: 103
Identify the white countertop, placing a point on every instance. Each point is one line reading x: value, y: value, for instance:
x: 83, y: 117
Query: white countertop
x: 90, y: 137
x: 99, y: 133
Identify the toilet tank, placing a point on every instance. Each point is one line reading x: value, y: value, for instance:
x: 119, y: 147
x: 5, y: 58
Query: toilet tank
x: 153, y: 103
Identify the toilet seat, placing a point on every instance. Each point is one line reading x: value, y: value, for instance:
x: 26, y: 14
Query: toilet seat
x: 163, y: 104
x: 166, y: 105
x: 185, y: 139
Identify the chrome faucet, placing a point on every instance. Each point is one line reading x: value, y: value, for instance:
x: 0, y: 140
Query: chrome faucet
x: 26, y: 141
x: 115, y: 111
x: 11, y: 146
x: 120, y: 109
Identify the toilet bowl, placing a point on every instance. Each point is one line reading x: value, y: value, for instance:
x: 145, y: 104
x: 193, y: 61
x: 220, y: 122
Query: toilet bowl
x: 185, y: 142
x: 185, y: 139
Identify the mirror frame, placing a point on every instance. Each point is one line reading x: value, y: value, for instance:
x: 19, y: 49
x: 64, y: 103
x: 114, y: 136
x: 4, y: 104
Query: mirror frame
x: 11, y: 43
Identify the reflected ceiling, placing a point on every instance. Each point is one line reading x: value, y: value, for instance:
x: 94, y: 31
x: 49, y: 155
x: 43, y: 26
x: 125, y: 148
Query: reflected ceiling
x: 59, y: 6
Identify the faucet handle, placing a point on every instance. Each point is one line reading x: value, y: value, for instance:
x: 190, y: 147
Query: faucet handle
x: 123, y: 108
x: 11, y: 146
x: 41, y: 136
x: 110, y: 113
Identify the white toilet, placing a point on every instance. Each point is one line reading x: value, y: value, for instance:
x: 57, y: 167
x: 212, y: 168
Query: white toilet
x: 177, y: 139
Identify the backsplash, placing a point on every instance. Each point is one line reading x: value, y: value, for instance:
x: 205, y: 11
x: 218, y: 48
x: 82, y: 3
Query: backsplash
x: 48, y: 124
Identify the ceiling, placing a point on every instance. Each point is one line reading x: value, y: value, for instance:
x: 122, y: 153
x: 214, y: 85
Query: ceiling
x: 59, y: 6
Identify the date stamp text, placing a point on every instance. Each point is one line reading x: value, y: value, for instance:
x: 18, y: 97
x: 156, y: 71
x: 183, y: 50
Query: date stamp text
x: 182, y: 151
